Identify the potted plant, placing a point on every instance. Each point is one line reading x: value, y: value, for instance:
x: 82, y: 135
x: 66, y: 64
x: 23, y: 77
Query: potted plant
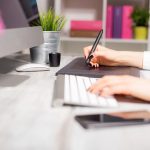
x: 140, y: 17
x: 51, y: 25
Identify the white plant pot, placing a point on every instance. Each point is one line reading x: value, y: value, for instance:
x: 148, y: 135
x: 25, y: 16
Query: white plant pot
x: 39, y: 54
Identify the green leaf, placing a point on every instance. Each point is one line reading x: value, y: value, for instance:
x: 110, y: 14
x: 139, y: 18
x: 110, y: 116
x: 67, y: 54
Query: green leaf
x: 50, y: 21
x: 140, y: 16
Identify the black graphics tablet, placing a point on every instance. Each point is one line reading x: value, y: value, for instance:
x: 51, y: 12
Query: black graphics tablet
x: 80, y: 68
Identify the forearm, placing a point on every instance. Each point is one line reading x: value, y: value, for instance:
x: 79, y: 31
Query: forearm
x: 126, y: 58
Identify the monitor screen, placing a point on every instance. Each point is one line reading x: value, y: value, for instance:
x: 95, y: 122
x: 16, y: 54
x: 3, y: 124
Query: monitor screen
x: 16, y: 32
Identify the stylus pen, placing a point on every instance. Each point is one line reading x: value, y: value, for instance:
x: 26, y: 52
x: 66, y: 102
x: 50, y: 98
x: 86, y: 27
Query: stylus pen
x: 90, y: 56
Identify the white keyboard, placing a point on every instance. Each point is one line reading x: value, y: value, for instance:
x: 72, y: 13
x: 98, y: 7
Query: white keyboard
x: 75, y: 92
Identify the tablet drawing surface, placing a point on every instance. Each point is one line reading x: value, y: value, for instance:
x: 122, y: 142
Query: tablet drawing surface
x: 80, y: 68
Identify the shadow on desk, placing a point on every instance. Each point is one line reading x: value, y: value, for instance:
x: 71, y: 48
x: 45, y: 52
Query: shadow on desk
x: 8, y: 65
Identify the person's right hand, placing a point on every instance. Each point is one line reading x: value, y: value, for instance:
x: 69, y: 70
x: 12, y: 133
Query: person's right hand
x: 102, y: 56
x: 109, y: 57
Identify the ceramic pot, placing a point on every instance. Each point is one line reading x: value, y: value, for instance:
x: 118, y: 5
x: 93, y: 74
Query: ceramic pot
x: 40, y: 54
x: 140, y: 33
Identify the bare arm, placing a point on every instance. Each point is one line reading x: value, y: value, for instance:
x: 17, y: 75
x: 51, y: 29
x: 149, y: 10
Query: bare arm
x: 127, y: 85
x: 126, y: 58
x: 109, y: 57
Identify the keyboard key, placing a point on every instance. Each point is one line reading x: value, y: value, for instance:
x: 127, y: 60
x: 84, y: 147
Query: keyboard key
x: 92, y: 97
x: 74, y: 89
x: 67, y: 95
x: 112, y: 101
x: 82, y: 90
x: 102, y: 101
x: 93, y: 80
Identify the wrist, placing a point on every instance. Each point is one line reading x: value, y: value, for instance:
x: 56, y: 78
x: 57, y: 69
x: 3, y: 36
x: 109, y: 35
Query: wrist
x: 126, y: 58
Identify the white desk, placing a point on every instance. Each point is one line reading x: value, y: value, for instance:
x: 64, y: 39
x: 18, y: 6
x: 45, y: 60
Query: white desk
x: 28, y: 122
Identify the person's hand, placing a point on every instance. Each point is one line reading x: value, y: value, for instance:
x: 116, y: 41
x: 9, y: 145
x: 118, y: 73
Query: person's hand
x: 102, y: 56
x: 109, y: 57
x: 127, y: 85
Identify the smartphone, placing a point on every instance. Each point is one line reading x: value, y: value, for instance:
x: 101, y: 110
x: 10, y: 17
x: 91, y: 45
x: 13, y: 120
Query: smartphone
x: 113, y: 119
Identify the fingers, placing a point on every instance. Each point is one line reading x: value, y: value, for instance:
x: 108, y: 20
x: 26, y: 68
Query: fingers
x: 86, y: 51
x: 110, y: 85
x: 126, y: 85
x: 102, y: 55
x: 115, y: 89
x: 95, y: 65
x: 104, y: 82
x: 94, y: 61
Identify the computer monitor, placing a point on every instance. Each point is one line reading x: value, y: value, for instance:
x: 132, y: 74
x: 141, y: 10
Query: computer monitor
x: 16, y: 32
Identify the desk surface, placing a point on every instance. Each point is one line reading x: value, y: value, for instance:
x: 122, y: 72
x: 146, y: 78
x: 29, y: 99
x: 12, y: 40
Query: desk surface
x: 28, y: 122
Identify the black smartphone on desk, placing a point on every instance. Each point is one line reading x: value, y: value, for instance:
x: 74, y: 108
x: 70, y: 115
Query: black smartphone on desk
x: 113, y: 119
